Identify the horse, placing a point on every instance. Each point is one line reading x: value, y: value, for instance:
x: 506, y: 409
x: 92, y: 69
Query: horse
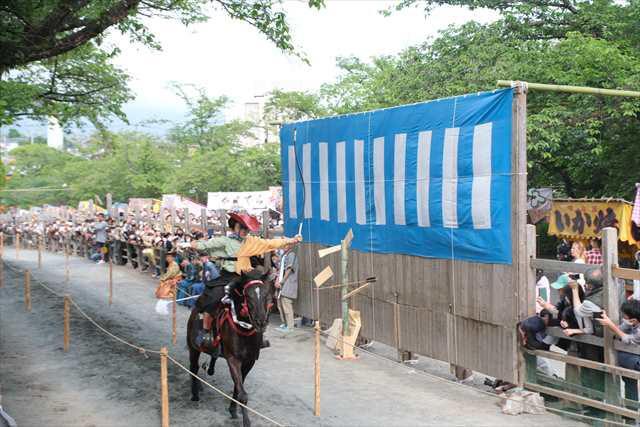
x: 239, y: 346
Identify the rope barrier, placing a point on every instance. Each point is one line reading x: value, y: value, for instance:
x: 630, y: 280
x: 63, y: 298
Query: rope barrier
x: 339, y: 339
x: 184, y: 368
x: 145, y: 351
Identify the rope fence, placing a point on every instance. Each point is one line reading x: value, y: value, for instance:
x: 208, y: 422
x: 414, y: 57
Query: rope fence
x: 339, y: 339
x: 142, y: 350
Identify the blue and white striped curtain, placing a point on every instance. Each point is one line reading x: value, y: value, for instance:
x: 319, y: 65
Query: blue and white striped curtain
x: 430, y: 179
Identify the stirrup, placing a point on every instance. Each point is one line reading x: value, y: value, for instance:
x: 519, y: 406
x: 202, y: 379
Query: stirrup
x: 240, y: 323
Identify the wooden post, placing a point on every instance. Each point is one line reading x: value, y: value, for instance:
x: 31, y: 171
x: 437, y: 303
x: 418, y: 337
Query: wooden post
x: 344, y: 277
x: 174, y: 320
x: 17, y: 245
x: 110, y: 279
x: 265, y: 235
x: 173, y: 219
x: 316, y: 411
x: 187, y: 221
x: 203, y: 220
x: 612, y: 304
x: 396, y: 325
x: 1, y: 272
x: 531, y: 289
x: 222, y: 217
x: 27, y: 290
x: 164, y: 387
x: 1, y: 244
x: 109, y: 206
x: 67, y: 309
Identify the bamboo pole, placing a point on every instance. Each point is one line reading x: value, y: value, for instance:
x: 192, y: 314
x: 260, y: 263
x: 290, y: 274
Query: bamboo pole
x: 570, y: 89
x: 316, y: 410
x: 164, y: 387
x: 27, y: 290
x: 110, y: 278
x: 67, y: 309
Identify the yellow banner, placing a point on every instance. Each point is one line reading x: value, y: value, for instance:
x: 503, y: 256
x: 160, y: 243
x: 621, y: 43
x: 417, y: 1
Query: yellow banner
x: 584, y: 219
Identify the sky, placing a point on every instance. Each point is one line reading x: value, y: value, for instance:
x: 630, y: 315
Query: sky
x: 229, y: 57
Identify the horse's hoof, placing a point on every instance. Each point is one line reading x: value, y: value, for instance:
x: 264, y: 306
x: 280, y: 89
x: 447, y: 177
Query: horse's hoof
x: 195, y: 398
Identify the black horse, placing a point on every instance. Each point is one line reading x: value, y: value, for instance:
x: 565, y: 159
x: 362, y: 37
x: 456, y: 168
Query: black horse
x: 239, y: 346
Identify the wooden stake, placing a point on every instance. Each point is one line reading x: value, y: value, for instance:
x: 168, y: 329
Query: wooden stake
x: 346, y: 242
x: 67, y: 309
x: 174, y: 320
x: 164, y: 387
x: 396, y: 324
x: 110, y: 279
x: 1, y: 272
x: 17, y: 245
x: 1, y: 244
x: 316, y: 410
x: 27, y: 290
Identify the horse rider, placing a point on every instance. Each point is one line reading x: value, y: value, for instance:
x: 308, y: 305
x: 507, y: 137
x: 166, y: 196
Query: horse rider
x: 227, y: 250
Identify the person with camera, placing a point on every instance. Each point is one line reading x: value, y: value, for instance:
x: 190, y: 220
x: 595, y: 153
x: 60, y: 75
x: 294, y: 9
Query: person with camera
x: 629, y: 333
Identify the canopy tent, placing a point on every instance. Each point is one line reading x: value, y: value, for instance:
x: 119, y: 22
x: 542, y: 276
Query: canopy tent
x: 583, y: 219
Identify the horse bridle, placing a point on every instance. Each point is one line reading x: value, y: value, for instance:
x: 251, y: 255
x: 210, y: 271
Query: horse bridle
x: 244, y: 310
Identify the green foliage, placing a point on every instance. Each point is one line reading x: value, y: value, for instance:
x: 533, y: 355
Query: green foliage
x: 283, y: 106
x: 204, y: 129
x: 74, y: 87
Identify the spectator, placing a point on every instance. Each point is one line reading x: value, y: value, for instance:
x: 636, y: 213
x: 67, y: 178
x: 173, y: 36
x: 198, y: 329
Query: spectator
x: 100, y: 228
x: 288, y: 285
x: 170, y: 279
x: 629, y: 332
x: 594, y: 254
x: 532, y: 333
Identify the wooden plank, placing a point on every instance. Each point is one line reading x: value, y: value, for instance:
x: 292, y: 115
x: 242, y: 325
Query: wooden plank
x: 578, y: 361
x: 328, y: 251
x: 582, y: 400
x: 612, y: 304
x: 323, y: 276
x: 625, y: 273
x: 561, y: 266
x: 594, y: 340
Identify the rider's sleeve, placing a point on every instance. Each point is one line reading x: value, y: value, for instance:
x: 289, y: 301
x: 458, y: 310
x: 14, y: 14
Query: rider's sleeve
x: 256, y: 246
x: 213, y: 243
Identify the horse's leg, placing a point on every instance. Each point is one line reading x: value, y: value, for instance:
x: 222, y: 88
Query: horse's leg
x: 246, y: 367
x: 212, y: 365
x: 194, y: 357
x: 235, y: 369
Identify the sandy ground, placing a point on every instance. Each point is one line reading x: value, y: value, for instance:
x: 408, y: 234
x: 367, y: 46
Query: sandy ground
x: 101, y: 382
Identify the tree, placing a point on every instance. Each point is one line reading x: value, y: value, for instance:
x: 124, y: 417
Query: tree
x: 287, y: 106
x: 204, y: 128
x: 574, y: 141
x: 33, y: 31
x: 74, y: 87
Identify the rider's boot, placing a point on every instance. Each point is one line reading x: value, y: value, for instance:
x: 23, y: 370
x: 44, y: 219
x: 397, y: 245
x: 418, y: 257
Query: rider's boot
x: 204, y: 335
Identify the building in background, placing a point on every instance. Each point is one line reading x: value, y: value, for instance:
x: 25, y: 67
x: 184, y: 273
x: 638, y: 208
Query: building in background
x: 263, y: 131
x: 55, y: 137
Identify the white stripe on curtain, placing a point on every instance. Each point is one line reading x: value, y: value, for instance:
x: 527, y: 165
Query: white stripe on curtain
x: 306, y: 173
x: 450, y: 178
x: 481, y: 184
x: 378, y: 177
x: 292, y: 182
x: 398, y: 178
x: 324, y: 181
x: 341, y: 181
x: 424, y: 170
x: 358, y: 151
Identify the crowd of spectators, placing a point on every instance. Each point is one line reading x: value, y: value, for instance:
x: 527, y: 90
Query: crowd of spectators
x: 578, y: 310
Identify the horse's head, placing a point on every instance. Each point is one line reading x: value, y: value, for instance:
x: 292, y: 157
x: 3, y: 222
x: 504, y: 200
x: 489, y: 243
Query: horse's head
x: 255, y: 295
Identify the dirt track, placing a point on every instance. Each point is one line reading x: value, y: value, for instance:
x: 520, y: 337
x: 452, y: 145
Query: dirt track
x: 101, y: 382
